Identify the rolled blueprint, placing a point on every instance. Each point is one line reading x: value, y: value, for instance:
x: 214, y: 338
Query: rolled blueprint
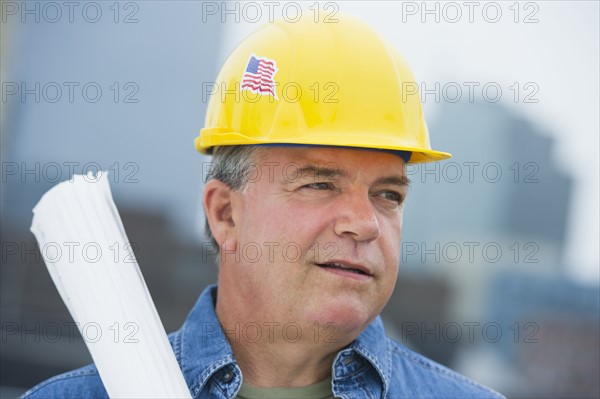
x: 91, y: 262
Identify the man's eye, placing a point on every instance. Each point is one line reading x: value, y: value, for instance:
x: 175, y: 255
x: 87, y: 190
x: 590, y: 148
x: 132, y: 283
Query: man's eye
x: 392, y: 196
x: 319, y: 186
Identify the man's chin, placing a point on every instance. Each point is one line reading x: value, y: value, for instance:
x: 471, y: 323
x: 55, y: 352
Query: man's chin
x: 340, y: 320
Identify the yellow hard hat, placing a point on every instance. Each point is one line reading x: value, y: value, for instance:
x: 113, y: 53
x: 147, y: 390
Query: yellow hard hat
x: 307, y: 83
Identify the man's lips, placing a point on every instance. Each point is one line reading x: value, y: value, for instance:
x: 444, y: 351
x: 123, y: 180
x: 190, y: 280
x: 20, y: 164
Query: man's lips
x: 346, y: 266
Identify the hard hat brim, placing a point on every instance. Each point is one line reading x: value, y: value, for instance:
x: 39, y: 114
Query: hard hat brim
x: 212, y: 137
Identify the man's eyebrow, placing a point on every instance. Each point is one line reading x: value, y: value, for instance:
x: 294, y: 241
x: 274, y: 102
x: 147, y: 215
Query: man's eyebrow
x: 396, y: 180
x: 315, y: 171
x: 333, y: 172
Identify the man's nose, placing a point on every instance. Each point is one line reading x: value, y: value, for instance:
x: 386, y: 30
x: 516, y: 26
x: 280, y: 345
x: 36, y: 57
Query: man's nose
x: 356, y: 218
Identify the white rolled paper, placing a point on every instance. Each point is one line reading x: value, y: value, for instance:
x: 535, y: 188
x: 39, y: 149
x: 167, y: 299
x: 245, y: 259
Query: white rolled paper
x: 91, y: 262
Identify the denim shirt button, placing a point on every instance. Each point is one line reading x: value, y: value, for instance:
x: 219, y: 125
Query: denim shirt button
x: 228, y: 376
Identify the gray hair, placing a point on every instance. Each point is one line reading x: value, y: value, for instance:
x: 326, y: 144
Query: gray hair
x: 230, y: 165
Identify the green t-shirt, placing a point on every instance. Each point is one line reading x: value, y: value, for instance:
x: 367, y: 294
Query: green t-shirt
x: 320, y: 390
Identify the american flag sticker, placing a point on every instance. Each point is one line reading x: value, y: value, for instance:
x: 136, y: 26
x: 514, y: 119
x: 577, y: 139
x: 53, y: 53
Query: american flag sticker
x: 259, y: 75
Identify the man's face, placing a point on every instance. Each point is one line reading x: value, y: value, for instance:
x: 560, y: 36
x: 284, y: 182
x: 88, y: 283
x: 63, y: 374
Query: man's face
x: 317, y: 235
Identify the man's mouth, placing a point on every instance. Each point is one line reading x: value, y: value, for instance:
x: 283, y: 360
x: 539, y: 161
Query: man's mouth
x: 346, y: 267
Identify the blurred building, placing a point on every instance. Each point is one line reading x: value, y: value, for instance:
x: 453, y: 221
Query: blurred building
x: 144, y: 67
x: 553, y: 342
x: 482, y: 287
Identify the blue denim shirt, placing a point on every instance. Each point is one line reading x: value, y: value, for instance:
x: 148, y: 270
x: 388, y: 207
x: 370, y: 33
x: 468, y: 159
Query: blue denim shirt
x: 373, y: 366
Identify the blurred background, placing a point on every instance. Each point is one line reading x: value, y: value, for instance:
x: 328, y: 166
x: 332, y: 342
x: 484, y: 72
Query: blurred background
x: 500, y: 263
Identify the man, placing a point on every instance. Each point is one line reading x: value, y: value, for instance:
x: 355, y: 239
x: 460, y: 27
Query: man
x: 310, y: 126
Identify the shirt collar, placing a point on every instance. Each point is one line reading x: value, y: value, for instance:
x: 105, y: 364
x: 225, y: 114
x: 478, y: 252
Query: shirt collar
x: 372, y: 345
x: 204, y: 349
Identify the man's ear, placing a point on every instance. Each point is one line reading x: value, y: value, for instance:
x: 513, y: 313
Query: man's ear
x: 217, y: 207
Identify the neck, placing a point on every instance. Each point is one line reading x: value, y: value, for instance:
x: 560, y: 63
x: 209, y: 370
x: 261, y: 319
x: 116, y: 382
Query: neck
x: 276, y: 354
x: 282, y: 365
